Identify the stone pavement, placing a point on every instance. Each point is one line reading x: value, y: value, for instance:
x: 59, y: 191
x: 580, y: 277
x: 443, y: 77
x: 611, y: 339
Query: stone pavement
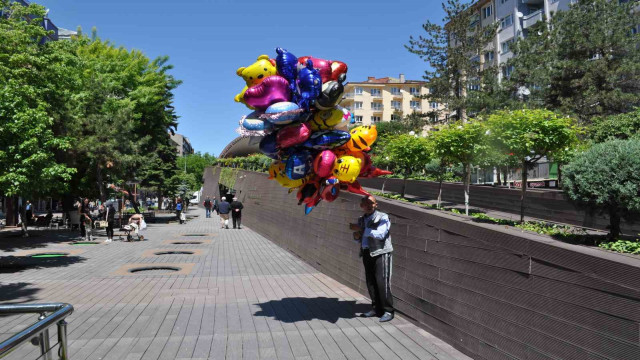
x: 237, y: 296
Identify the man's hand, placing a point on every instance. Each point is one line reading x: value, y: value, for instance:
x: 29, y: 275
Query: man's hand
x: 355, y: 227
x: 357, y: 235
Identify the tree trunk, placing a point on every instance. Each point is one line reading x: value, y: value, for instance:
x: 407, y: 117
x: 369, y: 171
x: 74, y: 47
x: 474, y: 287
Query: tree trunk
x: 505, y: 177
x: 23, y: 223
x: 439, y: 193
x: 99, y: 181
x: 524, y: 190
x: 467, y: 181
x: 559, y: 176
x: 498, y: 176
x: 383, y: 184
x: 404, y: 184
x: 614, y: 224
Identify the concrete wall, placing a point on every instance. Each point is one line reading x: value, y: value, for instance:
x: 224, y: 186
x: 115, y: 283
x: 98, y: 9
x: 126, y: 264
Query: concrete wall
x: 542, y: 204
x: 492, y: 292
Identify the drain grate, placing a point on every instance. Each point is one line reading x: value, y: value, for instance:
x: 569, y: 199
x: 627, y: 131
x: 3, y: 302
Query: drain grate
x: 49, y: 255
x: 195, y: 235
x: 84, y: 243
x: 154, y: 270
x: 187, y: 242
x: 174, y: 252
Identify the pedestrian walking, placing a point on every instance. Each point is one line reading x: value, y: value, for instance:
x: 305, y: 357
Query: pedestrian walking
x: 224, y: 207
x: 179, y: 210
x: 28, y: 212
x: 236, y: 212
x: 109, y: 217
x: 85, y: 216
x: 215, y: 205
x: 207, y: 206
x: 372, y: 232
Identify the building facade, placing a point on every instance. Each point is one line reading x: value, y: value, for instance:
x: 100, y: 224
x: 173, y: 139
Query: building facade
x: 182, y: 143
x: 386, y: 99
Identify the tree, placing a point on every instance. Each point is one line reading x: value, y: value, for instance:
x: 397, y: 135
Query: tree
x: 605, y: 178
x: 622, y: 126
x: 194, y: 165
x: 453, y: 51
x: 28, y: 144
x: 587, y: 61
x: 410, y: 152
x: 461, y: 143
x: 531, y: 135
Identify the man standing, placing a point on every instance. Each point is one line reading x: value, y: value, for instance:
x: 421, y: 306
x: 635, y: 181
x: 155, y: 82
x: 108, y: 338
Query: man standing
x: 29, y: 212
x: 224, y: 207
x: 207, y: 206
x: 372, y: 231
x: 236, y: 212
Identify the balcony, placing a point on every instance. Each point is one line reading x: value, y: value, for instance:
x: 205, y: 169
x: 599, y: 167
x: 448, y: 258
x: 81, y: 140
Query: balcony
x: 531, y: 19
x: 377, y: 109
x: 533, y: 2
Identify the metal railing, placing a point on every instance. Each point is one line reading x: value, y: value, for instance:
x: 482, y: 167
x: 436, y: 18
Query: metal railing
x: 40, y: 330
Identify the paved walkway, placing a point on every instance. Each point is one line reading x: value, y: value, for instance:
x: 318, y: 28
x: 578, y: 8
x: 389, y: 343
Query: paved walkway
x: 239, y: 297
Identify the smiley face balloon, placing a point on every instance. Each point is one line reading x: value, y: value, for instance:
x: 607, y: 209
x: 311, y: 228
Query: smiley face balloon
x: 347, y: 168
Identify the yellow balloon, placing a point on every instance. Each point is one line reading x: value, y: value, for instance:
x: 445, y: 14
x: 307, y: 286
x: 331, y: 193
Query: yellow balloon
x: 347, y: 168
x: 326, y: 119
x: 362, y: 137
x: 255, y: 73
x: 276, y: 172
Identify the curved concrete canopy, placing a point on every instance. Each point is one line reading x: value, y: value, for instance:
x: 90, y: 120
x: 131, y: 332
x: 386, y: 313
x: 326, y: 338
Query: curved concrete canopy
x: 242, y: 146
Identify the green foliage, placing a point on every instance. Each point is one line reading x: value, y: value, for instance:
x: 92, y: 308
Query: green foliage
x: 28, y: 143
x: 622, y: 246
x: 412, y: 151
x: 622, y: 126
x: 194, y: 165
x: 256, y: 162
x: 228, y: 177
x: 606, y: 178
x: 449, y: 50
x: 460, y: 143
x: 587, y: 61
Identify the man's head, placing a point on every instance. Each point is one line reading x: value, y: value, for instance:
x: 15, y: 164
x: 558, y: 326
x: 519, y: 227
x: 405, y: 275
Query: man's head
x: 235, y: 198
x: 368, y: 204
x: 208, y: 198
x: 224, y: 198
x: 86, y: 200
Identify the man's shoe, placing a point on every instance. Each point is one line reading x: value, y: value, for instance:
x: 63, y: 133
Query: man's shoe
x: 386, y: 317
x: 369, y: 314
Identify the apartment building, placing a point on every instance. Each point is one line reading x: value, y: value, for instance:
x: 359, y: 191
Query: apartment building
x: 182, y: 144
x: 386, y: 99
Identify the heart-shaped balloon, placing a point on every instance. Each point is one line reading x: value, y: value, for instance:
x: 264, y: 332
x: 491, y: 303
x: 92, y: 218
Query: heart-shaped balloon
x: 270, y: 91
x: 293, y: 135
x: 323, y: 163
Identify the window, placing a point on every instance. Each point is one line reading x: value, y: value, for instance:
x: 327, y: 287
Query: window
x: 433, y: 105
x: 634, y: 30
x: 357, y: 105
x: 506, y: 22
x: 507, y: 70
x: 414, y: 91
x: 486, y: 12
x: 375, y: 119
x: 376, y: 106
x: 415, y: 105
x: 357, y: 91
x: 504, y: 1
x: 505, y: 46
x: 474, y: 86
x: 395, y: 91
x: 396, y: 105
x: 358, y: 118
x: 376, y: 92
x: 395, y: 117
x: 488, y: 56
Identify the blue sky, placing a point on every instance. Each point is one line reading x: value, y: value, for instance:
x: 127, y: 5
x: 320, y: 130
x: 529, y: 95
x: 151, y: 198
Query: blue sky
x: 207, y: 40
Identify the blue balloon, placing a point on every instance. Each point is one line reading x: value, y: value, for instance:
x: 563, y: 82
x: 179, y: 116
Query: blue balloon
x: 252, y: 122
x: 287, y: 66
x: 309, y: 85
x: 299, y: 164
x: 282, y: 113
x: 327, y: 139
x: 268, y: 145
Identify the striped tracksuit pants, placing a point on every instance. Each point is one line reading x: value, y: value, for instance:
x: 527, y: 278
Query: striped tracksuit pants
x: 377, y: 270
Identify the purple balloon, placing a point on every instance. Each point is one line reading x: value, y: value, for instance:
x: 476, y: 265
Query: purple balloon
x: 271, y: 90
x: 309, y: 85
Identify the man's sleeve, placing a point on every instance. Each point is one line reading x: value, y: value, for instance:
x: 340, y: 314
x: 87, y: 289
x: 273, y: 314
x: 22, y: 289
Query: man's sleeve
x: 381, y: 231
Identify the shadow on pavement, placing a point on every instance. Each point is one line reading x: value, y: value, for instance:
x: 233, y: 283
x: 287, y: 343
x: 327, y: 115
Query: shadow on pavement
x: 10, y: 242
x: 296, y: 309
x: 17, y: 292
x: 14, y: 264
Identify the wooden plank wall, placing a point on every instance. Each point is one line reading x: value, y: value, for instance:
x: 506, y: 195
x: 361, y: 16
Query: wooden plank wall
x: 494, y: 293
x: 542, y: 204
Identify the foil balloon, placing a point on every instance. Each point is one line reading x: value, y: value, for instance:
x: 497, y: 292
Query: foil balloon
x: 252, y: 122
x: 323, y: 66
x: 326, y: 119
x: 326, y: 139
x: 374, y: 172
x: 323, y: 163
x: 282, y: 113
x: 355, y: 188
x: 293, y: 135
x: 362, y: 137
x: 271, y: 90
x: 309, y: 191
x: 331, y: 93
x: 347, y: 168
x: 287, y: 66
x: 309, y: 85
x: 255, y: 73
x: 298, y: 165
x: 268, y: 145
x: 330, y: 192
x: 338, y: 68
x: 277, y: 173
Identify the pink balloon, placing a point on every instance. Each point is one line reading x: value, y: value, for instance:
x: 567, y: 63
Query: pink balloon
x: 271, y: 90
x: 323, y: 163
x: 293, y: 135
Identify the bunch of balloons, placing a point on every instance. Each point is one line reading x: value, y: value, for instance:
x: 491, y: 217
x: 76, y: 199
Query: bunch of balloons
x: 295, y: 102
